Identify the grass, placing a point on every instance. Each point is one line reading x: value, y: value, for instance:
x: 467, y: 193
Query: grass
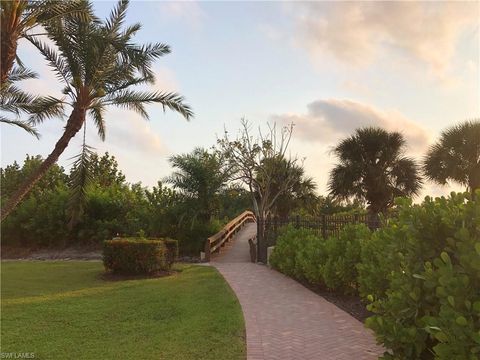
x: 64, y: 310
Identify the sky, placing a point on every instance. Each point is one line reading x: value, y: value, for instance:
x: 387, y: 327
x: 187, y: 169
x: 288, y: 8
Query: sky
x: 328, y: 67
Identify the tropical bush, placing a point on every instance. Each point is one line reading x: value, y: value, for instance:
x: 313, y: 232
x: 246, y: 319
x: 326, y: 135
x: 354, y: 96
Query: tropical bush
x: 295, y: 253
x: 135, y: 256
x: 343, y: 255
x: 112, y: 208
x: 330, y: 263
x: 428, y: 306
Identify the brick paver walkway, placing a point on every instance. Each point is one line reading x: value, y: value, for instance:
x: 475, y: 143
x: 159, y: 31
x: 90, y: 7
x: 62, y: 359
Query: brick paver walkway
x: 285, y: 320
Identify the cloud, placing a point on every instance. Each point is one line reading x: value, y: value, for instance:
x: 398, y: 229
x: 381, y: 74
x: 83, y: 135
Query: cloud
x: 329, y: 120
x: 189, y: 12
x: 165, y: 80
x: 126, y: 130
x: 357, y: 32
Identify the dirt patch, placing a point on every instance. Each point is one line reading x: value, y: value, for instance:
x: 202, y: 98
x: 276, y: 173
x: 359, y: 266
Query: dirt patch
x: 108, y: 276
x: 348, y: 303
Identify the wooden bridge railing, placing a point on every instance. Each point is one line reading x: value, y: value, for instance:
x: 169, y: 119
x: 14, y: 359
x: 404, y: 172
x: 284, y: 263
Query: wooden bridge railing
x: 215, y: 242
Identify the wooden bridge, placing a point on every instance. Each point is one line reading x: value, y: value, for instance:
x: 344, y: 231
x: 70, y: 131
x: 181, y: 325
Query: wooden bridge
x: 215, y: 242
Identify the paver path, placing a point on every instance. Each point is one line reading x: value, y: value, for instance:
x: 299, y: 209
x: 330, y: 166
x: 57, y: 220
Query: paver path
x: 285, y: 320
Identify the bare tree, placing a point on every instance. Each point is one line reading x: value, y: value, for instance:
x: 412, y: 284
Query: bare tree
x: 255, y: 161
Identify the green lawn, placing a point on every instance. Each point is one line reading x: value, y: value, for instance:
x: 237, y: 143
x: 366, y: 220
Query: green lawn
x: 63, y: 310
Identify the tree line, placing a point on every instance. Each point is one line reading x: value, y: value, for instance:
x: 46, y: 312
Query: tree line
x: 100, y: 65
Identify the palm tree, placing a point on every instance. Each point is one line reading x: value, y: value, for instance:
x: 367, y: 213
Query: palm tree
x: 301, y: 189
x: 373, y: 168
x: 20, y: 16
x: 200, y: 176
x: 17, y: 18
x: 99, y: 64
x: 456, y: 156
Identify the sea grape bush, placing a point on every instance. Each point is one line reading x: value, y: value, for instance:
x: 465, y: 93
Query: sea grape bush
x: 343, y: 254
x: 329, y: 263
x: 420, y: 274
x: 431, y: 306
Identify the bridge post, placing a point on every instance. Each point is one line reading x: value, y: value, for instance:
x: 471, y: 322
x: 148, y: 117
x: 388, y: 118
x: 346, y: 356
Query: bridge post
x: 207, y: 250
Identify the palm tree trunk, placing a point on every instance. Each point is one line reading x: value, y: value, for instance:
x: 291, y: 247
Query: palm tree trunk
x: 9, y: 39
x: 74, y: 124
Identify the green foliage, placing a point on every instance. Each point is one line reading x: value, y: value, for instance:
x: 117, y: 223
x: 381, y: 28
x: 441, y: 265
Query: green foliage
x: 372, y: 167
x: 112, y: 207
x: 330, y: 263
x: 135, y: 256
x: 192, y: 235
x: 172, y: 251
x: 38, y: 221
x: 455, y: 156
x: 429, y: 306
x: 286, y: 256
x: 343, y: 255
x: 199, y: 176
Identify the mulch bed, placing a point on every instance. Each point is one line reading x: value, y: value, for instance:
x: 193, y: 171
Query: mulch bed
x: 348, y: 303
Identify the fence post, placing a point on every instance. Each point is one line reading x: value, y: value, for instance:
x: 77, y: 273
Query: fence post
x: 297, y: 222
x: 324, y: 226
x: 207, y: 250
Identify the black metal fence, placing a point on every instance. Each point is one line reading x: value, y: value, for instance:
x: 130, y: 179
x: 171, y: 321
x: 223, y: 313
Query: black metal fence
x: 325, y: 225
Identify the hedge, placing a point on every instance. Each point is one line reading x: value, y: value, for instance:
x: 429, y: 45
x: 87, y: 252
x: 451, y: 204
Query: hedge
x: 428, y: 304
x: 139, y: 256
x: 330, y: 263
x: 172, y: 250
x: 420, y: 273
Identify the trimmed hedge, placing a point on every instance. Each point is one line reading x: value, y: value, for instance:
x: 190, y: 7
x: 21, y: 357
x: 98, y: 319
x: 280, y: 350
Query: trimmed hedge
x: 139, y: 256
x: 172, y: 251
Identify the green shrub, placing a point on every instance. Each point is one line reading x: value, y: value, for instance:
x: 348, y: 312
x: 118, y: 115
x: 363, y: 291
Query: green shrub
x: 342, y: 257
x: 192, y: 235
x: 379, y: 258
x: 135, y: 256
x: 310, y: 259
x: 172, y: 251
x: 430, y: 258
x: 288, y: 256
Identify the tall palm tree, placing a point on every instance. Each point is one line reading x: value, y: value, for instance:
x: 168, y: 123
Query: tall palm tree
x: 99, y: 65
x: 456, y: 156
x: 18, y: 17
x: 373, y: 168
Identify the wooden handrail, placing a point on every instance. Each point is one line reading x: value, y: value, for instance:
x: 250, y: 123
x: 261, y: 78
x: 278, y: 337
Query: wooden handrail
x: 215, y: 242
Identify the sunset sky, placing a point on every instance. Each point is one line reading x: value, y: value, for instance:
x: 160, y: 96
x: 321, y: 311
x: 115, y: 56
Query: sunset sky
x: 328, y: 67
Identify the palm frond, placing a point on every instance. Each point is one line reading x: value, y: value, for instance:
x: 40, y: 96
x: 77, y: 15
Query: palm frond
x: 60, y: 66
x: 44, y: 108
x: 96, y: 112
x: 117, y: 16
x: 132, y: 99
x: 15, y: 100
x: 80, y: 180
x: 22, y: 124
x: 19, y: 73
